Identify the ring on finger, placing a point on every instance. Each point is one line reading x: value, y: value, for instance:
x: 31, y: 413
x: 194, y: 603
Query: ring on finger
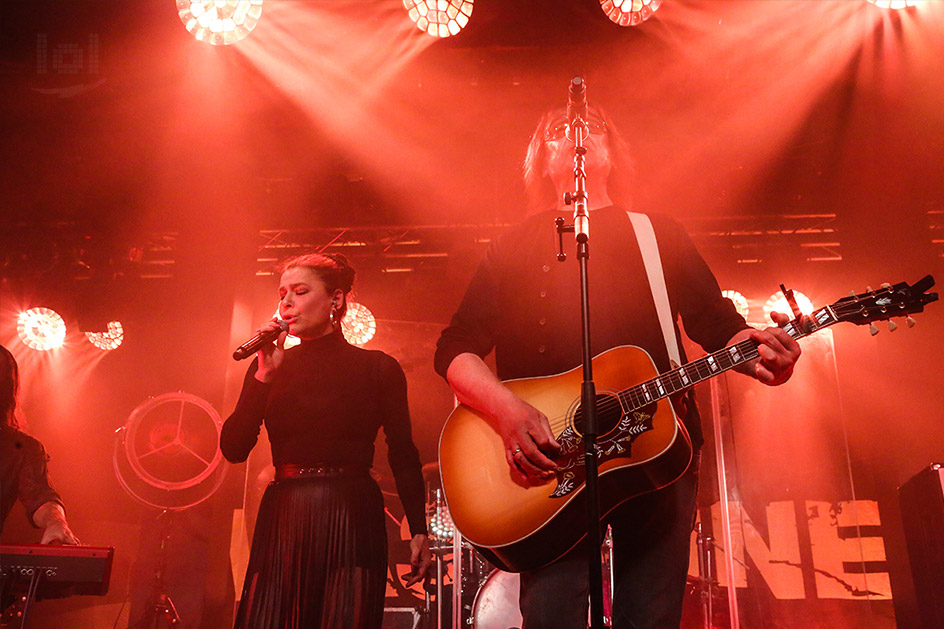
x: 515, y: 451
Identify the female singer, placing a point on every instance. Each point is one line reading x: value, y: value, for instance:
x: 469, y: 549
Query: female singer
x: 319, y: 550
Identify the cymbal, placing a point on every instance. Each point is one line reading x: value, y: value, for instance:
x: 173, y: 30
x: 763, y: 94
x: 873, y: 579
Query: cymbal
x: 431, y: 472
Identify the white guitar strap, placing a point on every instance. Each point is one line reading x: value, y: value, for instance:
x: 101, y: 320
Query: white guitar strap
x: 646, y: 237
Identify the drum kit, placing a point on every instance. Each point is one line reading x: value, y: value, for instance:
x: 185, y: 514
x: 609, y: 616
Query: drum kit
x: 487, y: 598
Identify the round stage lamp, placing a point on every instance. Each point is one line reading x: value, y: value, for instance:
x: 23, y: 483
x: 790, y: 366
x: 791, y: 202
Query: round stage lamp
x: 41, y: 328
x: 219, y: 22
x: 109, y: 340
x: 358, y: 324
x: 439, y: 18
x: 779, y: 303
x: 629, y: 12
x: 740, y: 302
x: 440, y: 523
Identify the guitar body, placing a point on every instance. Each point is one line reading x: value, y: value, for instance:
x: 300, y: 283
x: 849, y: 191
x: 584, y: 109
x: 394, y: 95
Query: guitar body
x: 521, y: 528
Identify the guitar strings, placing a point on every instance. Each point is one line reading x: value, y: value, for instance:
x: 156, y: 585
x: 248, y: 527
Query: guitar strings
x: 611, y: 402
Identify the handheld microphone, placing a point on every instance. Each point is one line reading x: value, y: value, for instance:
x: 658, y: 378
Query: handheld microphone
x: 577, y: 100
x: 259, y: 339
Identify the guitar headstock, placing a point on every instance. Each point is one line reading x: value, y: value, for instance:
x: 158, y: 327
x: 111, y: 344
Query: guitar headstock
x: 885, y: 303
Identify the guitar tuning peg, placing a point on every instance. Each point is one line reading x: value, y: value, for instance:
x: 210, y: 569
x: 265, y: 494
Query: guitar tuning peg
x: 886, y: 285
x: 852, y: 293
x: 911, y: 322
x: 872, y: 329
x: 869, y: 290
x: 892, y: 326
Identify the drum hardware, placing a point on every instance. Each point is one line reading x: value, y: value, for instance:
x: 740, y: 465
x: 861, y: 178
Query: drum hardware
x: 608, y: 576
x: 441, y: 533
x: 496, y: 601
x: 457, y: 585
x: 704, y: 546
x: 708, y: 606
x: 470, y: 570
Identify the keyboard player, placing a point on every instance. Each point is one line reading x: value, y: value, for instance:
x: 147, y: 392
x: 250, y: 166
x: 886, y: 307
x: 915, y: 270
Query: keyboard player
x: 23, y: 473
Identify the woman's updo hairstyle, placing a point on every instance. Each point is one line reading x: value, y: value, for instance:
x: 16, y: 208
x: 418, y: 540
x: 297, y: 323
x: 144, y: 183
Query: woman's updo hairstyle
x: 333, y: 269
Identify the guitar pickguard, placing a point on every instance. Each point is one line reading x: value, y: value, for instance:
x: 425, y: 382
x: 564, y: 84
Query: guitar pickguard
x: 616, y: 443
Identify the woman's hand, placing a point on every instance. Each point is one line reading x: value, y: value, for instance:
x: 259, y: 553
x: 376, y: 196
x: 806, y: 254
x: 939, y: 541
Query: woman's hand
x: 271, y: 354
x: 420, y: 559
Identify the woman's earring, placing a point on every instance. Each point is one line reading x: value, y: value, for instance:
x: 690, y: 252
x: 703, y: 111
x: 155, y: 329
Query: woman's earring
x: 331, y: 315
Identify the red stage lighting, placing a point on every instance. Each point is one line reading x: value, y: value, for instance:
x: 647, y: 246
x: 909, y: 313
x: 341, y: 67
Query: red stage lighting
x: 439, y: 18
x: 895, y: 4
x: 219, y: 22
x: 109, y: 340
x: 41, y: 328
x: 629, y: 12
x: 779, y: 303
x: 740, y: 302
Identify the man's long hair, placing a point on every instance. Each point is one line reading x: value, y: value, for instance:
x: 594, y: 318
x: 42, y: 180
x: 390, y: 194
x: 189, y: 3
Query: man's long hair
x: 541, y: 193
x: 9, y: 388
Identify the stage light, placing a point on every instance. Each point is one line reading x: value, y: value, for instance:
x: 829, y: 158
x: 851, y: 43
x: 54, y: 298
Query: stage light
x: 779, y: 303
x: 629, y: 12
x: 109, y: 340
x: 290, y: 341
x: 41, y: 328
x: 440, y: 523
x: 439, y: 18
x: 219, y: 22
x: 740, y: 303
x: 895, y: 4
x: 358, y: 324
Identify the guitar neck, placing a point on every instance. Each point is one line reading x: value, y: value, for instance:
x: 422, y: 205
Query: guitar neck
x: 716, y: 363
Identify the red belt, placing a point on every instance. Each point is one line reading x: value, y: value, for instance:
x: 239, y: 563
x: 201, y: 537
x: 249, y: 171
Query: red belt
x: 290, y: 470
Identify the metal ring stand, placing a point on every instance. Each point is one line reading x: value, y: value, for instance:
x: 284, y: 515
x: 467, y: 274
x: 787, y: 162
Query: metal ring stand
x: 171, y: 466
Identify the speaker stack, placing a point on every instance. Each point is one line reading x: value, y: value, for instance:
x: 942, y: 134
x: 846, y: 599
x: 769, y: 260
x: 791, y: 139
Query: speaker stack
x: 922, y: 512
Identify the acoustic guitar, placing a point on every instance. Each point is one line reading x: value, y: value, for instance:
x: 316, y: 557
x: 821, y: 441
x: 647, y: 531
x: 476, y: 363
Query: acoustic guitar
x: 642, y: 444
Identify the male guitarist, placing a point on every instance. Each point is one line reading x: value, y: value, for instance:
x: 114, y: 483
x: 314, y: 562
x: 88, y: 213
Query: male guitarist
x: 525, y: 305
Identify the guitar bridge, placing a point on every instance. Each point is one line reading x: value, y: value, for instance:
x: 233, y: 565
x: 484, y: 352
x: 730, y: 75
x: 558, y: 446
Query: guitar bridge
x: 617, y: 443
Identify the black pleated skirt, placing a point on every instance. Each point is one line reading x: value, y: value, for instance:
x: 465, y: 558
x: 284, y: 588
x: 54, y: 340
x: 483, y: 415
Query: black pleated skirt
x: 319, y: 555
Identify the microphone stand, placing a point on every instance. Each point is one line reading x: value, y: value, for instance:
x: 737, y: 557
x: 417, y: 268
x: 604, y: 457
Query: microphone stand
x: 581, y: 230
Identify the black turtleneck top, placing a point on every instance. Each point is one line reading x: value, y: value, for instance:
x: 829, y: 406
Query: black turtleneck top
x: 325, y: 406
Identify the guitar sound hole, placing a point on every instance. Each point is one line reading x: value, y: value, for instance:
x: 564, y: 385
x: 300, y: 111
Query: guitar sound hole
x: 609, y: 413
